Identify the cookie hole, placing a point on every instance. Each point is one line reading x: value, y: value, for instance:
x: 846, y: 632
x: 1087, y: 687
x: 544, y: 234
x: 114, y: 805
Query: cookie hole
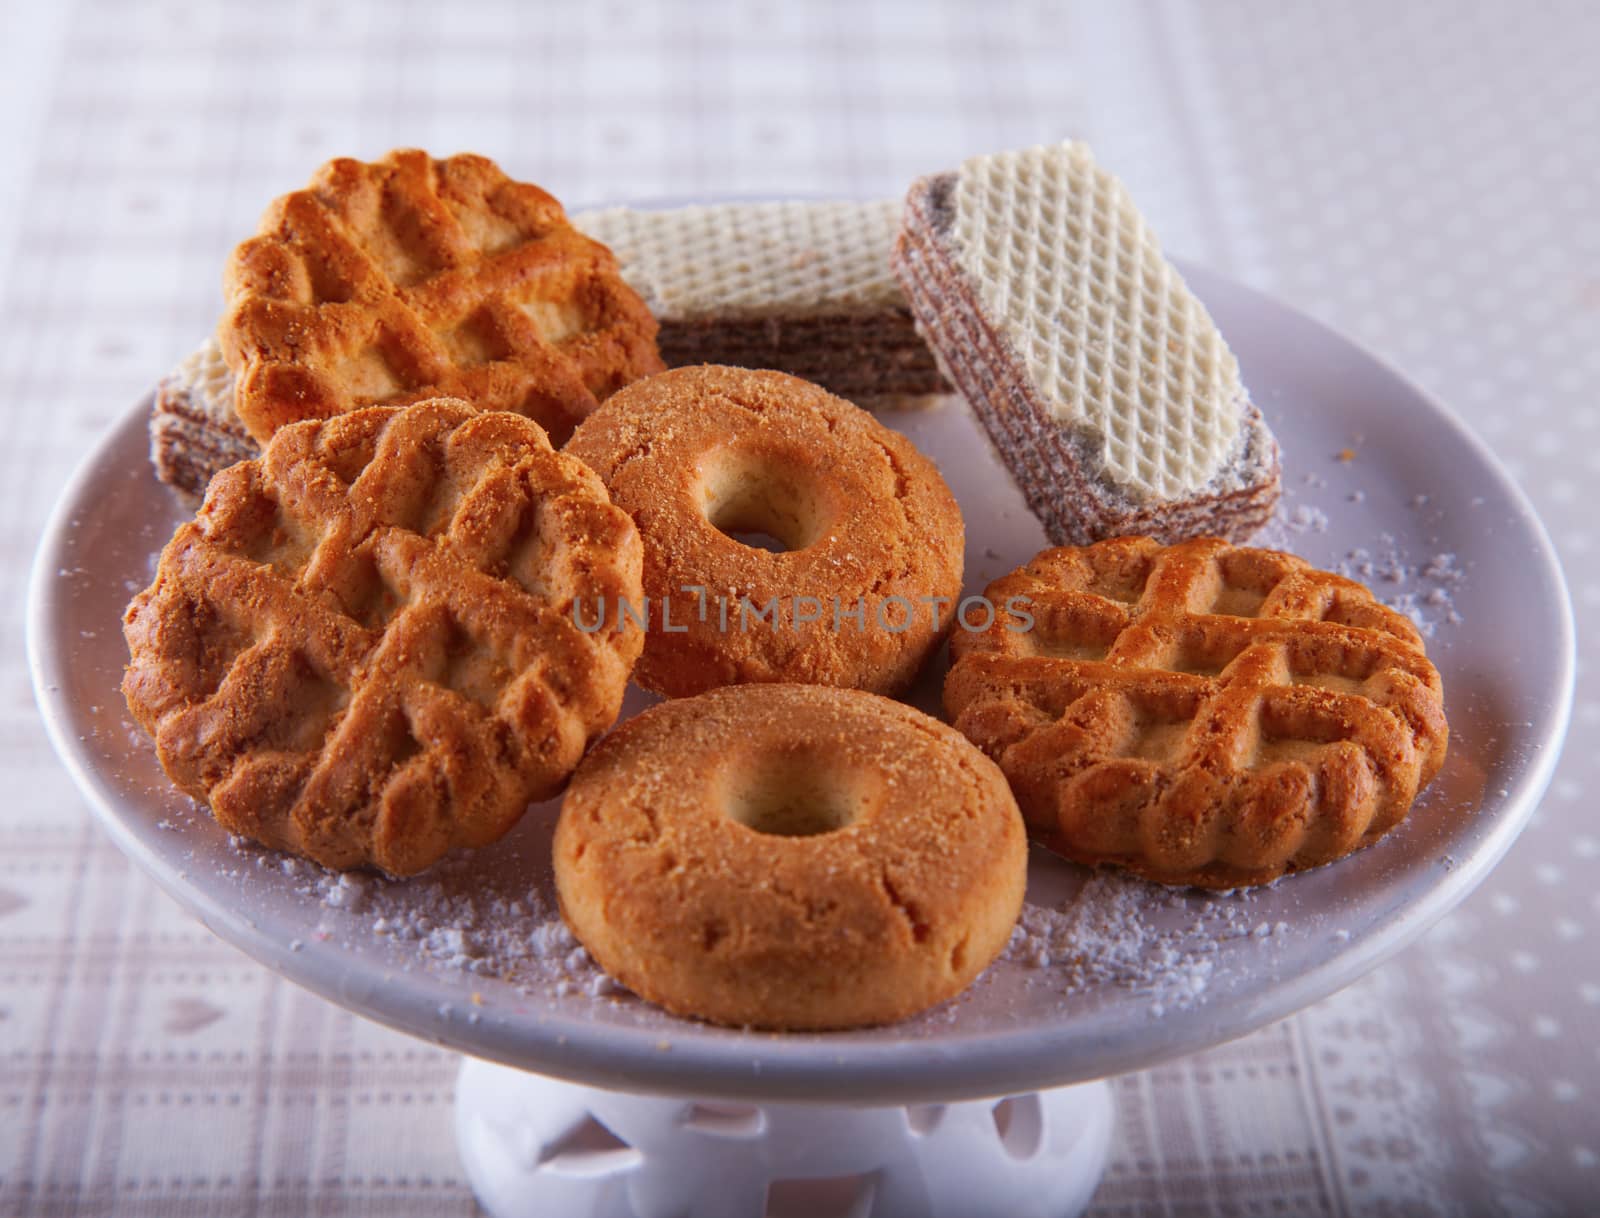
x: 795, y: 796
x: 1117, y: 577
x: 368, y: 375
x: 761, y: 504
x: 438, y: 515
x: 958, y: 955
x: 403, y: 239
x: 1160, y: 742
x: 360, y: 589
x: 1197, y: 665
x: 487, y: 230
x: 1274, y: 750
x: 397, y: 742
x: 759, y: 541
x: 263, y: 533
x: 216, y: 642
x: 1357, y: 607
x: 328, y: 282
x: 345, y: 450
x: 1068, y: 649
x: 1337, y: 682
x: 530, y: 554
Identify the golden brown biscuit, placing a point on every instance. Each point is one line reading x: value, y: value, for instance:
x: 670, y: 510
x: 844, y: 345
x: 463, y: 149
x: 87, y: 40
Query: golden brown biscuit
x: 410, y: 278
x: 362, y: 650
x: 863, y: 590
x: 790, y: 856
x: 1200, y: 713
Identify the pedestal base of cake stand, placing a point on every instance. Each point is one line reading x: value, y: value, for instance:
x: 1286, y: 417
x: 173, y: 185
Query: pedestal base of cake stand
x: 538, y: 1146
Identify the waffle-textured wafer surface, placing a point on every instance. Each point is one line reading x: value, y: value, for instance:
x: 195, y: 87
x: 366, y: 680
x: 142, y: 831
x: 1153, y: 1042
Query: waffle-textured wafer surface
x: 1108, y: 330
x: 731, y: 260
x: 363, y: 649
x: 1102, y: 379
x: 410, y: 277
x: 1199, y: 713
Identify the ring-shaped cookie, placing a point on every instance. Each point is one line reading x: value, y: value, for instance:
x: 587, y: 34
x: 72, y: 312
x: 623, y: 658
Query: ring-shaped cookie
x: 859, y: 583
x: 789, y: 856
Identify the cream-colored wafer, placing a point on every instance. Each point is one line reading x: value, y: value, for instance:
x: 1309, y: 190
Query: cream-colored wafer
x: 1100, y: 376
x: 731, y: 261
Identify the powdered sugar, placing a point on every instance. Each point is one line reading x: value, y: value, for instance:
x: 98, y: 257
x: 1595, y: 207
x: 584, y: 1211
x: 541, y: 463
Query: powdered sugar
x: 1427, y: 585
x: 1305, y: 519
x: 1161, y: 943
x: 1421, y: 587
x: 458, y: 916
x: 1115, y: 931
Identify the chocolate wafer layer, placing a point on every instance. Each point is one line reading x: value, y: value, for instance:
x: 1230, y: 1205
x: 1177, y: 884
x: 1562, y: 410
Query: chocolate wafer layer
x: 853, y: 356
x: 194, y: 430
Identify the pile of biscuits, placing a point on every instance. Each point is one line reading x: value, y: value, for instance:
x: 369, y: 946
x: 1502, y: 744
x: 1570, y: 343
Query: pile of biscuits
x: 455, y: 498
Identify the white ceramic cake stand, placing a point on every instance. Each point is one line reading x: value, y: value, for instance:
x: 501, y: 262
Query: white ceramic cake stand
x: 579, y: 1105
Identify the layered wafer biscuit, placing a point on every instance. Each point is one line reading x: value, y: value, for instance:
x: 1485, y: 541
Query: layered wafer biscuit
x: 1103, y: 382
x: 194, y: 429
x: 800, y: 287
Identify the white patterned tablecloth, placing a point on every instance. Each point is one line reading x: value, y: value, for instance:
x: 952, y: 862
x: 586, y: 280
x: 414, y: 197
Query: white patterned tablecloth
x: 1421, y: 175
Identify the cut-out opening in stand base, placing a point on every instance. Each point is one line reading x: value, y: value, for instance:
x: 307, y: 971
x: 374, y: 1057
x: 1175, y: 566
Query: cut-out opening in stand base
x: 537, y: 1146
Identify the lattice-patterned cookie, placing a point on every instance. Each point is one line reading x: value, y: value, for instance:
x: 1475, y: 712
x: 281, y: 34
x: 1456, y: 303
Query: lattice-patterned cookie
x: 363, y: 650
x: 1100, y: 377
x: 1199, y: 713
x: 409, y: 278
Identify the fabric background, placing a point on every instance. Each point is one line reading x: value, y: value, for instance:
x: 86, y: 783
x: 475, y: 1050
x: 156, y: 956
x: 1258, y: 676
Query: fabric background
x: 1420, y: 175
